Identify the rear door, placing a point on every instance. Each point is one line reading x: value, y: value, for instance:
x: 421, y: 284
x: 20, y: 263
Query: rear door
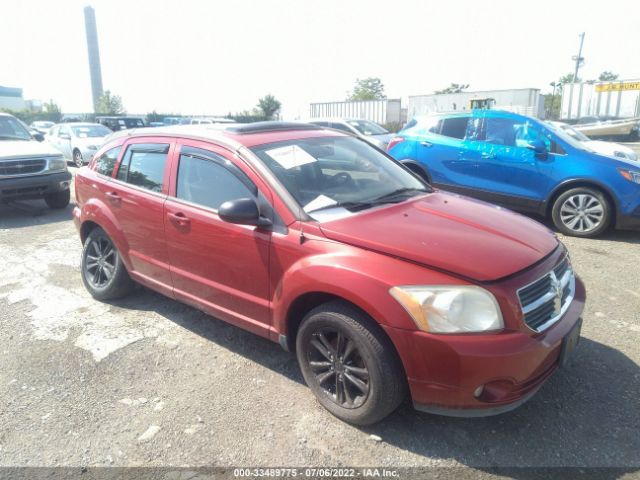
x: 441, y: 148
x: 136, y: 197
x: 217, y: 266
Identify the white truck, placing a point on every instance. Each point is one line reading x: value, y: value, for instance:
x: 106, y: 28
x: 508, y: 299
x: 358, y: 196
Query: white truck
x: 30, y: 169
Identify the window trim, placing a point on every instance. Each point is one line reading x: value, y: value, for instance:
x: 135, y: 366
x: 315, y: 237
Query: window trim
x: 115, y: 166
x: 222, y: 162
x: 130, y: 146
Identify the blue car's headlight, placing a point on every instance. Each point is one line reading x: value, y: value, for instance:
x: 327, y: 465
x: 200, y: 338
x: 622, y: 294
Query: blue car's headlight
x: 630, y: 175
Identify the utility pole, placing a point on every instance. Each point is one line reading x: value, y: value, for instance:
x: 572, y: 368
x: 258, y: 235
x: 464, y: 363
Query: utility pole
x: 578, y: 58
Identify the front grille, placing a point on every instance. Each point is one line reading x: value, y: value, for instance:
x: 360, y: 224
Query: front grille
x: 22, y: 167
x: 545, y: 300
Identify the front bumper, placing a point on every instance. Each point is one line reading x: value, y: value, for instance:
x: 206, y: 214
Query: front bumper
x: 33, y: 186
x: 445, y: 371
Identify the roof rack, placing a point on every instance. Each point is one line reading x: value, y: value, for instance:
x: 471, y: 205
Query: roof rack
x: 272, y: 126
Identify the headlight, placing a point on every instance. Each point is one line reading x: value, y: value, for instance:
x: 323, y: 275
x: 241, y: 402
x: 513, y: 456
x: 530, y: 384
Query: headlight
x: 620, y: 154
x: 57, y: 163
x: 630, y: 175
x: 452, y: 309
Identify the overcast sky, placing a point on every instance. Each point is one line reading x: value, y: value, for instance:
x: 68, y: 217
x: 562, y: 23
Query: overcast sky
x: 215, y: 57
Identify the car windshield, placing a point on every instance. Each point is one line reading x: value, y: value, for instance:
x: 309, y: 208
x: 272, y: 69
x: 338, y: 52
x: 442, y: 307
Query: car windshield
x: 366, y: 127
x: 90, y: 131
x: 345, y: 173
x: 579, y: 136
x: 12, y: 129
x: 564, y: 135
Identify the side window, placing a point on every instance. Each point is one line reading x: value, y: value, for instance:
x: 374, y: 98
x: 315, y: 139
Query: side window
x: 455, y: 127
x: 64, y: 130
x: 143, y: 165
x: 500, y: 131
x: 512, y: 132
x: 106, y: 163
x: 526, y: 133
x: 54, y: 131
x: 339, y: 126
x: 211, y: 181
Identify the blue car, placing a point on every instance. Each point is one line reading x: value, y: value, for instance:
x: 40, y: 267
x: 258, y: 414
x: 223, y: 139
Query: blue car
x: 523, y: 164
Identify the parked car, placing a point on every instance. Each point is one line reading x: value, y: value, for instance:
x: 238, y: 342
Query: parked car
x: 610, y: 128
x: 117, y: 123
x: 29, y: 169
x: 524, y: 164
x: 42, y: 126
x: 210, y: 120
x: 609, y: 149
x: 366, y: 129
x: 78, y: 141
x: 319, y: 241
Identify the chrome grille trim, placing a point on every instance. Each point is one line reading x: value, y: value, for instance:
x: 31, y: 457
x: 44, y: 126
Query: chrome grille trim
x: 21, y: 167
x: 552, y: 290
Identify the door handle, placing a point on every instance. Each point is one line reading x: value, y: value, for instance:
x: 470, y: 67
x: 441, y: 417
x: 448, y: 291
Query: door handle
x: 179, y: 218
x: 488, y: 155
x: 113, y: 196
x: 426, y: 144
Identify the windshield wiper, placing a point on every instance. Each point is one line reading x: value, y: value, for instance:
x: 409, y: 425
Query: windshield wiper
x: 347, y: 205
x: 398, y: 195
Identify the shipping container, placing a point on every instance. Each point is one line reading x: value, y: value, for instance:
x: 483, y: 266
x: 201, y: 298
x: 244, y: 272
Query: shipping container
x: 620, y: 99
x: 525, y: 101
x: 379, y: 111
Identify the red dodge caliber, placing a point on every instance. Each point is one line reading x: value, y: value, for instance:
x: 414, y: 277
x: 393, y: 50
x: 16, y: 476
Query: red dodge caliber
x: 319, y: 241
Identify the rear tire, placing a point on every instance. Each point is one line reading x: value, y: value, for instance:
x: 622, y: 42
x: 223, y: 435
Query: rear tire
x: 350, y: 364
x: 103, y: 272
x: 582, y: 212
x: 58, y: 200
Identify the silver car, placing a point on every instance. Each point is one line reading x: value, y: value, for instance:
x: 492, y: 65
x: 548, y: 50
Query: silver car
x: 77, y: 141
x: 370, y: 131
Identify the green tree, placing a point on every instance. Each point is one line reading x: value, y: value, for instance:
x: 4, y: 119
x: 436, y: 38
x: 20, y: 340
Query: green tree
x: 269, y: 106
x: 453, y: 88
x: 52, y: 111
x: 568, y: 78
x: 370, y: 88
x: 608, y: 76
x: 109, y: 104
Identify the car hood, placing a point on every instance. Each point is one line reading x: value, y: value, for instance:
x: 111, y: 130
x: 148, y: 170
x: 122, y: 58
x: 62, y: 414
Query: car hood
x: 609, y: 148
x: 21, y: 149
x: 382, y: 139
x: 466, y: 237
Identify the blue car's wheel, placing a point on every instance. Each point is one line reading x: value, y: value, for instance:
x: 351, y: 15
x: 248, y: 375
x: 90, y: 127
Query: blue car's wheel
x: 582, y: 212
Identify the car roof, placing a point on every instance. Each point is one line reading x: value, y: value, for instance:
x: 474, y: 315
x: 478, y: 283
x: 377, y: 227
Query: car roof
x: 234, y: 136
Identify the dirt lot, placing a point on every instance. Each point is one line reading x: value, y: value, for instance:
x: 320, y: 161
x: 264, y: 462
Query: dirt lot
x: 148, y: 381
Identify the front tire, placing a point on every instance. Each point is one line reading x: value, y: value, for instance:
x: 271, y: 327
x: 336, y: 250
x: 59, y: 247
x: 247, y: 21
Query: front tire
x: 103, y: 272
x: 349, y: 364
x: 582, y: 212
x: 58, y: 200
x: 78, y: 161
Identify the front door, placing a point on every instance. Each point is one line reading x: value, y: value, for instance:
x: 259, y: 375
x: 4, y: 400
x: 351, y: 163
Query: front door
x: 509, y: 172
x: 217, y: 266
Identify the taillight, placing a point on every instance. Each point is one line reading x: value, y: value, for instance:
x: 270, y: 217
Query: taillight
x: 395, y: 141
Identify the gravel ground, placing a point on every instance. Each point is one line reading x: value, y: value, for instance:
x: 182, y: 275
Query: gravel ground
x: 148, y: 381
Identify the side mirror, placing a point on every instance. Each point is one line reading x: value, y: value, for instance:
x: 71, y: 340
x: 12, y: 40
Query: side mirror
x: 539, y: 148
x: 243, y: 211
x: 38, y: 136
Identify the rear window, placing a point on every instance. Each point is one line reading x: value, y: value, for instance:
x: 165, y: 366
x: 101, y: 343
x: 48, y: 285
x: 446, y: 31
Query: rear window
x: 143, y: 165
x: 455, y: 127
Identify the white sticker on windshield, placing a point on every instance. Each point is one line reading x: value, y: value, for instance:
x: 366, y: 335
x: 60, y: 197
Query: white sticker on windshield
x: 290, y: 156
x: 319, y: 202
